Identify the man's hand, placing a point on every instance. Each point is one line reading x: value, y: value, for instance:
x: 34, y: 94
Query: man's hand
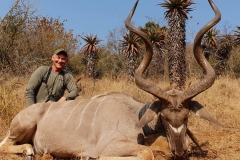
x: 62, y: 99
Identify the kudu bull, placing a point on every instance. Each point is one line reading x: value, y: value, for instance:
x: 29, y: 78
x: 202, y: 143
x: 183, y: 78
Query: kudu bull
x: 108, y: 125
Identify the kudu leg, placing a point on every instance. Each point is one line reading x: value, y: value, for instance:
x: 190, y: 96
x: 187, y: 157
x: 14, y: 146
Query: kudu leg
x: 120, y: 150
x: 25, y: 149
x: 194, y: 139
x: 19, y: 137
x: 8, y: 146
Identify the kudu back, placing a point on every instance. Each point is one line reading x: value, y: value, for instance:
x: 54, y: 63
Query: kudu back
x: 112, y: 125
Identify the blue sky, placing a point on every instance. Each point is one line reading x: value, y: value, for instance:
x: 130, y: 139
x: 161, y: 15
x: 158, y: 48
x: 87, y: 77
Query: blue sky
x: 98, y: 17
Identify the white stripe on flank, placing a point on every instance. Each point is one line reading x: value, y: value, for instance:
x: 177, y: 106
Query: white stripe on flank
x: 53, y: 119
x: 47, y: 112
x: 83, y: 112
x: 69, y: 115
x: 19, y: 119
x: 66, y: 103
x: 94, y: 117
x: 5, y: 139
x: 176, y: 130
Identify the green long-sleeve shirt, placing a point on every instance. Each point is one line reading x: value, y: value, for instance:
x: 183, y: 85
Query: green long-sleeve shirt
x: 37, y: 91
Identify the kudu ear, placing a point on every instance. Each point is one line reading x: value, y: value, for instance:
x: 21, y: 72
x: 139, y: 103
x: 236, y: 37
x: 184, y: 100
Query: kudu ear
x: 149, y: 115
x: 199, y: 110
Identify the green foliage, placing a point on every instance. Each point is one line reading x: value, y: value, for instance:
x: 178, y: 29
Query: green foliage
x: 11, y: 27
x: 210, y: 39
x: 223, y: 53
x: 131, y: 43
x: 110, y: 65
x: 177, y: 7
x: 176, y: 15
x: 157, y: 36
x: 77, y: 64
x: 90, y: 49
x: 218, y: 46
x: 27, y: 41
x: 234, y: 62
x: 237, y: 36
x: 91, y: 44
x: 132, y: 46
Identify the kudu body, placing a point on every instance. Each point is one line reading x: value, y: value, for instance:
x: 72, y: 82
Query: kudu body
x: 109, y: 125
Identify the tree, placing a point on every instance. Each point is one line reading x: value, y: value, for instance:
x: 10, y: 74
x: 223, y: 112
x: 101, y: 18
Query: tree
x: 27, y: 41
x: 90, y: 50
x: 157, y: 35
x: 236, y: 59
x: 176, y: 15
x: 223, y: 53
x: 237, y: 36
x: 11, y: 28
x: 108, y: 64
x: 210, y: 43
x: 43, y: 36
x: 113, y: 44
x: 219, y: 48
x: 131, y: 44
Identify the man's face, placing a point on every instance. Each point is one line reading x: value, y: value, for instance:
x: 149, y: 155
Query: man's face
x: 59, y: 60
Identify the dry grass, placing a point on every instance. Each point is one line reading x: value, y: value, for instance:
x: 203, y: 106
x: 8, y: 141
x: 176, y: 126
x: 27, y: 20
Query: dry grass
x: 222, y: 100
